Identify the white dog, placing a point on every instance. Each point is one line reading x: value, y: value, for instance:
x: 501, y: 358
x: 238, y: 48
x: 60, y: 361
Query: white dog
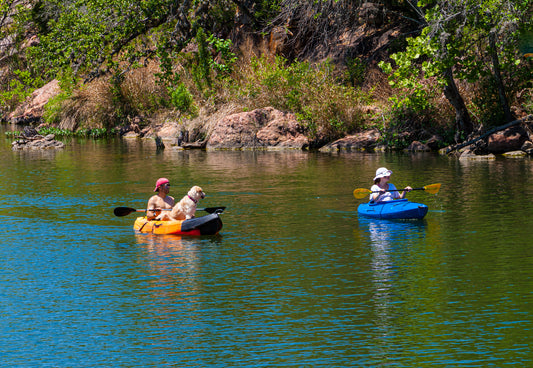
x: 186, y: 207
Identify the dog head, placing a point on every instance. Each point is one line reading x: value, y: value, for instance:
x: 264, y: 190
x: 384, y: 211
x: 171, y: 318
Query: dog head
x: 196, y: 193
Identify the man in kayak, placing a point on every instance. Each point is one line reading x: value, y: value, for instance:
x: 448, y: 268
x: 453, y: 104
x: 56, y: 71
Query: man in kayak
x: 385, y: 191
x: 161, y: 200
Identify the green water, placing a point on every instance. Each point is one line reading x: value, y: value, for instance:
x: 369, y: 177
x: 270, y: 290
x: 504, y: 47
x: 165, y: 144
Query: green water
x: 295, y: 278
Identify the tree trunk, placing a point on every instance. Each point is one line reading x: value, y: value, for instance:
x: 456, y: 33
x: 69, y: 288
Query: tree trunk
x: 462, y: 117
x: 497, y: 76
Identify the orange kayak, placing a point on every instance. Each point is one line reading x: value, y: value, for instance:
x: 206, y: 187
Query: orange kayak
x: 205, y: 225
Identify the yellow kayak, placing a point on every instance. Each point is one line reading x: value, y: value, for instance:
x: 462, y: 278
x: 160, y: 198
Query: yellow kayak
x: 205, y: 225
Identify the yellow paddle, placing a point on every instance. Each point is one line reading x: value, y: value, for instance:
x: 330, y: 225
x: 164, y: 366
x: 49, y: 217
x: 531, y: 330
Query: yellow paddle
x: 363, y: 192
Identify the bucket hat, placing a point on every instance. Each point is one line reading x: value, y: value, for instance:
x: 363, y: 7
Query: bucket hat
x: 382, y: 172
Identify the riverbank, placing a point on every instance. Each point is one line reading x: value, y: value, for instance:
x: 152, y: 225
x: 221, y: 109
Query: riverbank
x: 228, y: 127
x: 271, y: 129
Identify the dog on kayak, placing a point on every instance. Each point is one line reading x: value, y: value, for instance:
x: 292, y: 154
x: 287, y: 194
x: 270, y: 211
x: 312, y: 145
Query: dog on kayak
x: 186, y: 207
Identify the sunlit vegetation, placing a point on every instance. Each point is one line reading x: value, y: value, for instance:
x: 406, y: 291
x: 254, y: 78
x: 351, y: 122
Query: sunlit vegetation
x: 95, y: 133
x: 453, y: 66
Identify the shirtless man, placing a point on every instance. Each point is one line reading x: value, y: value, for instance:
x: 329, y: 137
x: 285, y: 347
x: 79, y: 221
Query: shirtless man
x: 159, y: 200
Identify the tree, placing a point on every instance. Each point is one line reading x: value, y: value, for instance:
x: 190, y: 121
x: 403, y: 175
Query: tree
x: 92, y: 36
x: 470, y: 41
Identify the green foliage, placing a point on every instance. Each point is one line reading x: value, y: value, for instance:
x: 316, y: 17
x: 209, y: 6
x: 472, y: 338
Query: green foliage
x: 224, y: 63
x: 181, y: 98
x: 355, y: 71
x: 89, y: 35
x: 54, y: 107
x: 327, y: 109
x: 456, y: 39
x: 21, y: 85
x: 266, y: 9
x: 94, y: 133
x: 202, y: 69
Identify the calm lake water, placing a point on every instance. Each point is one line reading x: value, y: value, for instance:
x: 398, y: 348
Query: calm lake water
x: 294, y: 279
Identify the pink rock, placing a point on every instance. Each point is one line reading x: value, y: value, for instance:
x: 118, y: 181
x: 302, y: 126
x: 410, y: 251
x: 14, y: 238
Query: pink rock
x: 510, y: 139
x: 260, y: 128
x: 32, y: 109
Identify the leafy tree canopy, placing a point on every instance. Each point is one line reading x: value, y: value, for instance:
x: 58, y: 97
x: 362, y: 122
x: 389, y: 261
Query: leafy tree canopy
x: 469, y: 40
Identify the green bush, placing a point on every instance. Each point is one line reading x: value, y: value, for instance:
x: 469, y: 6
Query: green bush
x: 326, y: 108
x: 20, y: 86
x: 181, y: 98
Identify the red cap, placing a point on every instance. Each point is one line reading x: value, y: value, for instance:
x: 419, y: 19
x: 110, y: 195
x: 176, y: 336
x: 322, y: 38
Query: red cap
x: 160, y: 182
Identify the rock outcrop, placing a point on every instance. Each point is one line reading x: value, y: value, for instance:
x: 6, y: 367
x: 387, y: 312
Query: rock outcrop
x: 363, y: 141
x: 31, y: 111
x: 36, y: 142
x: 265, y: 128
x: 510, y: 139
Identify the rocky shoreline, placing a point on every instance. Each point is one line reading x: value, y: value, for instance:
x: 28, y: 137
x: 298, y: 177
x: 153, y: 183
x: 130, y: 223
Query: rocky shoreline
x: 271, y: 129
x: 31, y: 140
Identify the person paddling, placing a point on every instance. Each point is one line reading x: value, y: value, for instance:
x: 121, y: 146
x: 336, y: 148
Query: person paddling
x: 385, y: 191
x: 161, y: 200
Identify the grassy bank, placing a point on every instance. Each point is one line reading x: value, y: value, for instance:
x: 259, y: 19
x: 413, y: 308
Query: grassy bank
x: 328, y: 100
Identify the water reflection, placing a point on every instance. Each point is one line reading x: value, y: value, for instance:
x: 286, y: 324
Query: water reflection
x: 173, y: 265
x: 390, y: 243
x: 286, y: 283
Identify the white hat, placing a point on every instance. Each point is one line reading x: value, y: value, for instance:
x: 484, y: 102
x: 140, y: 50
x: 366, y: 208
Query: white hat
x: 382, y: 172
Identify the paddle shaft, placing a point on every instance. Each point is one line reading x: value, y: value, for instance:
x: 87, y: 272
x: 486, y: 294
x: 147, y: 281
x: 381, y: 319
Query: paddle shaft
x: 362, y: 192
x: 396, y: 190
x: 124, y: 211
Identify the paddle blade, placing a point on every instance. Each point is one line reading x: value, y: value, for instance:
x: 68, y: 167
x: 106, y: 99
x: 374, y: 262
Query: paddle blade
x: 123, y: 211
x: 432, y: 188
x: 361, y: 193
x: 212, y: 209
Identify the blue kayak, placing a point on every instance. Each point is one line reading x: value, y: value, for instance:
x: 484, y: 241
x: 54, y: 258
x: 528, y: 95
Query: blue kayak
x: 392, y: 210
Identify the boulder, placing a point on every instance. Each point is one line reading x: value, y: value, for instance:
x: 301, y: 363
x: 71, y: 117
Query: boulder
x: 469, y: 154
x: 417, y: 146
x: 36, y: 142
x: 527, y: 147
x: 265, y: 128
x: 366, y: 140
x: 169, y: 131
x: 283, y: 132
x: 510, y: 139
x: 515, y: 154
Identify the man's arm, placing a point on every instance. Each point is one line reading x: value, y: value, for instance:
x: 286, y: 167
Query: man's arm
x: 152, y: 203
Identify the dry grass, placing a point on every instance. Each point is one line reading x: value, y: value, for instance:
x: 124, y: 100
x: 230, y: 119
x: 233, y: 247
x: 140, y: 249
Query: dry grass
x: 90, y: 106
x: 140, y: 90
x: 327, y: 107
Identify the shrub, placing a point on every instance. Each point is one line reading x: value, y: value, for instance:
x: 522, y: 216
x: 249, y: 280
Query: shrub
x: 21, y: 85
x: 181, y: 98
x: 326, y: 108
